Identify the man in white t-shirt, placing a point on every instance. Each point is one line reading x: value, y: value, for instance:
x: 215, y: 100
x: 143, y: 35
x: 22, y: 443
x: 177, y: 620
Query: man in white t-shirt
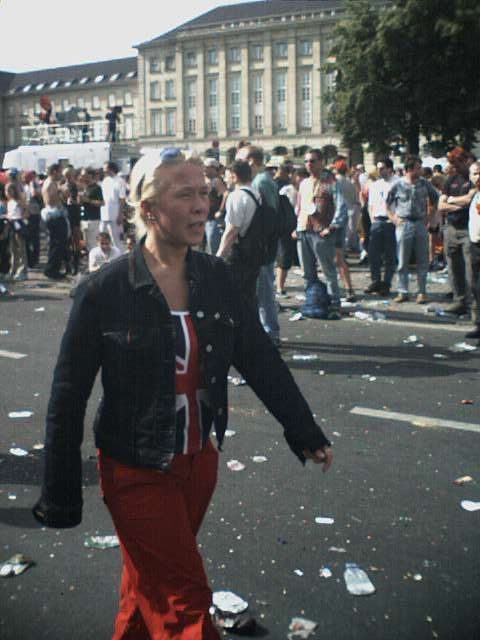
x: 103, y: 253
x: 240, y: 209
x: 114, y: 194
x: 382, y: 243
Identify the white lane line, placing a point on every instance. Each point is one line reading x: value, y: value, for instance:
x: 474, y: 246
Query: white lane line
x: 12, y: 355
x: 423, y: 421
x: 428, y: 326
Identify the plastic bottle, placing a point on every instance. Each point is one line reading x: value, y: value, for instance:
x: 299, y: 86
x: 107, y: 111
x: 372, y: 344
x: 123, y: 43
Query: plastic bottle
x: 357, y: 581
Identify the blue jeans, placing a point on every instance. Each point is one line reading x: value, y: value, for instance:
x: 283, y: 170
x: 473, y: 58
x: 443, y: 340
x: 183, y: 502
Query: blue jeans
x: 316, y: 249
x: 267, y: 304
x: 382, y: 245
x: 213, y: 235
x: 412, y: 234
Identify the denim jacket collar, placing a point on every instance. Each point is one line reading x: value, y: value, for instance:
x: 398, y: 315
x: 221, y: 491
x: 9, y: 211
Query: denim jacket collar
x: 139, y: 274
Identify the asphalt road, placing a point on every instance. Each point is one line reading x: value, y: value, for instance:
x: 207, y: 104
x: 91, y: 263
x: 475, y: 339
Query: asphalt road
x: 396, y: 510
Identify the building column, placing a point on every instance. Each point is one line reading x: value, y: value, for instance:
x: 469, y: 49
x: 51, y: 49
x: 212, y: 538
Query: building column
x: 201, y: 121
x: 222, y: 90
x: 180, y: 111
x: 142, y: 102
x: 268, y: 92
x: 245, y: 93
x: 292, y: 85
x: 317, y: 93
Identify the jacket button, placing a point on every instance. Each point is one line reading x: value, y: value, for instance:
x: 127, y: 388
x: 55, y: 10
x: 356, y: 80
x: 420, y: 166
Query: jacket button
x: 217, y: 316
x: 209, y: 348
x: 200, y: 314
x: 220, y: 411
x: 213, y: 380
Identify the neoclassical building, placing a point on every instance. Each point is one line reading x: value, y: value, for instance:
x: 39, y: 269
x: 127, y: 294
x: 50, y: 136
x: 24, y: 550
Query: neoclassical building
x: 253, y: 71
x: 250, y: 71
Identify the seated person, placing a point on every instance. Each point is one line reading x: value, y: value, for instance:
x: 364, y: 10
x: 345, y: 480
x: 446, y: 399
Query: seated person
x: 103, y: 253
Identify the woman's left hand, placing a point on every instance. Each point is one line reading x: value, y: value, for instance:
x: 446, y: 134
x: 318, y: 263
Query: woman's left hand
x: 320, y: 456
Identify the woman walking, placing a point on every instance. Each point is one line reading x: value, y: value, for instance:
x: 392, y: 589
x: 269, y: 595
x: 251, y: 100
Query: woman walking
x: 164, y: 323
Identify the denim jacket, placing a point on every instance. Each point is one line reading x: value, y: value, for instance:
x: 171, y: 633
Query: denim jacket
x: 120, y: 323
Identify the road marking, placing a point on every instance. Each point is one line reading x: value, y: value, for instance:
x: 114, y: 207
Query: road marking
x: 423, y: 421
x: 444, y: 326
x: 12, y: 355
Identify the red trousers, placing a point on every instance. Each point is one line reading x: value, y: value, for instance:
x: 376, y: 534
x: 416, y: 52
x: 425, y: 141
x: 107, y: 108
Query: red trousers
x: 164, y: 594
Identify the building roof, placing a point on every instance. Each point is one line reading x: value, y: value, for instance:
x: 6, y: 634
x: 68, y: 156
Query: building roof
x: 5, y: 80
x: 248, y: 11
x: 92, y: 73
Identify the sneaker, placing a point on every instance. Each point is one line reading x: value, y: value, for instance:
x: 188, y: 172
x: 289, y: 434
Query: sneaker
x: 401, y: 297
x: 475, y: 333
x: 351, y: 297
x: 334, y: 314
x: 384, y: 289
x: 373, y: 287
x: 422, y: 298
x: 458, y: 308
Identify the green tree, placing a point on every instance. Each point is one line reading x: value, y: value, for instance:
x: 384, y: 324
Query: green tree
x: 405, y: 70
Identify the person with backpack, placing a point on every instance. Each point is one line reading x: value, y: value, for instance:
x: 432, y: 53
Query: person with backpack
x: 267, y: 303
x: 240, y: 210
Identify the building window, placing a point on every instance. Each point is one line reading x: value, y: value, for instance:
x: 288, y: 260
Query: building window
x: 305, y: 47
x: 191, y: 92
x: 170, y: 63
x: 191, y: 59
x: 95, y: 102
x: 112, y: 101
x: 155, y: 90
x: 84, y: 80
x: 281, y: 99
x: 156, y: 122
x: 11, y: 136
x: 127, y: 99
x: 170, y: 89
x: 154, y: 65
x: 99, y: 78
x: 257, y: 51
x: 54, y: 84
x: 281, y: 50
x: 128, y: 127
x: 81, y: 103
x: 234, y: 101
x: 257, y: 92
x: 234, y: 54
x: 212, y: 56
x: 306, y: 99
x: 213, y: 105
x: 170, y: 125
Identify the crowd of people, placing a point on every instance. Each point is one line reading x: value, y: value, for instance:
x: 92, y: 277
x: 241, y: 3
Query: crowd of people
x: 167, y: 321
x: 391, y: 218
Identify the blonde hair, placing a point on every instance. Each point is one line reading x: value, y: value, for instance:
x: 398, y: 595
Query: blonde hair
x: 148, y: 181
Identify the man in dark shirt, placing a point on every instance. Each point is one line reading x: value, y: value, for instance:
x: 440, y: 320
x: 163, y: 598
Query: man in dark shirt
x: 456, y: 239
x: 91, y: 199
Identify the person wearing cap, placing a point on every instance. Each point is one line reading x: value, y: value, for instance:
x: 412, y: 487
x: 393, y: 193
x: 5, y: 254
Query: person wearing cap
x: 164, y: 324
x: 456, y: 238
x: 217, y: 195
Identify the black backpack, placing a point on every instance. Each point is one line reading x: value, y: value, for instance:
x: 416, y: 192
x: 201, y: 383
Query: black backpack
x: 258, y: 246
x: 287, y: 220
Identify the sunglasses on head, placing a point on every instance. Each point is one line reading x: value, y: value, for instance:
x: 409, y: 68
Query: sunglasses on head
x: 166, y: 155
